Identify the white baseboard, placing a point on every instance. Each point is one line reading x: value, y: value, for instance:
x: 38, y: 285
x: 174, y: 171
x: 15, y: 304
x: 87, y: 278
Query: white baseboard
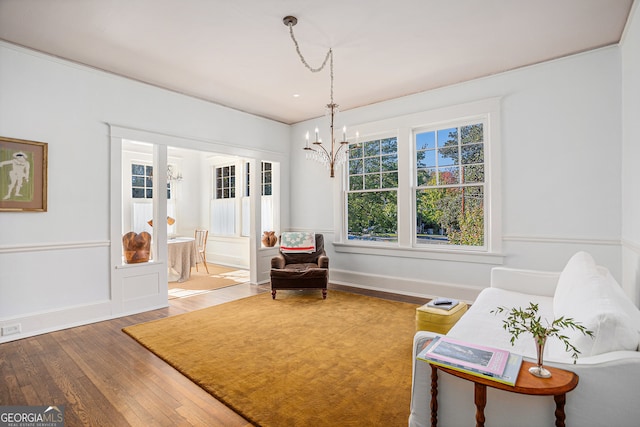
x: 403, y: 286
x: 69, y: 317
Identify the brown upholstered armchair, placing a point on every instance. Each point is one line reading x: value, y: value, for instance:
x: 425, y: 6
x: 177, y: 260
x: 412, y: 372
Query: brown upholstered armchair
x: 301, y: 270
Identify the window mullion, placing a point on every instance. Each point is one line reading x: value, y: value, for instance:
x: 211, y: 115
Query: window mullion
x: 405, y: 211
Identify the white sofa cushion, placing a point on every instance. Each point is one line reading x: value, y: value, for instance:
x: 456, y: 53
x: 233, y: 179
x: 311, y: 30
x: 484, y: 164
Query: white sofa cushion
x: 479, y: 326
x: 591, y: 296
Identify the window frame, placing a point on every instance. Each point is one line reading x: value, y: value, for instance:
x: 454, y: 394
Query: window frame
x: 381, y: 188
x: 148, y: 180
x: 404, y: 127
x: 482, y: 119
x: 218, y: 191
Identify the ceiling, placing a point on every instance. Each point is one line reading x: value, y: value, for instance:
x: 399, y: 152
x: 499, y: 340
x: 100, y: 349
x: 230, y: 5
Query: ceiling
x: 238, y: 53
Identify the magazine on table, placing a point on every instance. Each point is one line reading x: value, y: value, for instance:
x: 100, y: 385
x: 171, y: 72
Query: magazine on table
x: 483, y: 359
x: 509, y: 376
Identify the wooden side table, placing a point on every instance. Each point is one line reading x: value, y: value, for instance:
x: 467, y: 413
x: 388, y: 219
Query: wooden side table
x: 560, y: 383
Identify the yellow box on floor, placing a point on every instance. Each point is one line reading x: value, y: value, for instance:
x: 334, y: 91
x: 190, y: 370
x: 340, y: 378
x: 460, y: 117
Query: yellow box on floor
x: 438, y: 320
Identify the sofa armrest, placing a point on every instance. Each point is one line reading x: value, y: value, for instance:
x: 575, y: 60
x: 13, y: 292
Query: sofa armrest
x: 533, y: 282
x: 277, y: 262
x: 323, y: 261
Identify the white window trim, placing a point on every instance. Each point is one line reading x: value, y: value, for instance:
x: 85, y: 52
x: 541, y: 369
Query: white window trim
x: 403, y: 127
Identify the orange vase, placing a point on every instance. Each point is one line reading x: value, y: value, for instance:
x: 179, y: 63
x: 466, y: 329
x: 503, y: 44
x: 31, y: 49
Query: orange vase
x: 269, y: 238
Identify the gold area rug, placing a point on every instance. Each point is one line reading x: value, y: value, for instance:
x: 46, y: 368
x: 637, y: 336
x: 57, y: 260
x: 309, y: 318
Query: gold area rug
x: 298, y: 360
x: 201, y: 281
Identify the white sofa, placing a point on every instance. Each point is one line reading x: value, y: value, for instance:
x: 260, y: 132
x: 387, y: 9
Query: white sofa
x: 608, y: 392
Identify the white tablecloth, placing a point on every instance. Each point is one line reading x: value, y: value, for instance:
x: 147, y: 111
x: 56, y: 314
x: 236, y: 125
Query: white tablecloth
x: 181, y: 257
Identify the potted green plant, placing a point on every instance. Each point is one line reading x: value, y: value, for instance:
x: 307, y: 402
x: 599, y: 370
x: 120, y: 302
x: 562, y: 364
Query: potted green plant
x: 520, y: 320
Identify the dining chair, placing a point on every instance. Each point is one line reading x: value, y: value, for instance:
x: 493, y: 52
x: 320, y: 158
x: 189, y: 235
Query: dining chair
x: 201, y: 247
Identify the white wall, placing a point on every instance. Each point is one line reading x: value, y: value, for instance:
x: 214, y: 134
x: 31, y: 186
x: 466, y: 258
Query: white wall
x: 631, y: 154
x: 54, y: 266
x: 561, y: 151
x: 569, y: 143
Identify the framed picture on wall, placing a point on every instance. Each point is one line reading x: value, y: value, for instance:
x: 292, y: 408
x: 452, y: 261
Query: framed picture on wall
x: 23, y: 175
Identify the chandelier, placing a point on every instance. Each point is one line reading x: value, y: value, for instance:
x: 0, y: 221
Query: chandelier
x: 316, y: 151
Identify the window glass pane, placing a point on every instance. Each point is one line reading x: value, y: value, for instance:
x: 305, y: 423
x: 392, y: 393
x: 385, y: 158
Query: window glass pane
x: 390, y: 180
x: 425, y: 140
x: 371, y: 181
x: 371, y: 148
x: 355, y: 151
x: 447, y: 137
x: 247, y: 176
x: 373, y: 216
x: 137, y: 193
x: 149, y: 182
x: 426, y: 159
x: 472, y: 133
x: 450, y: 216
x: 149, y: 170
x: 447, y: 156
x: 137, y: 181
x: 355, y: 166
x: 149, y: 193
x: 372, y: 164
x: 448, y: 175
x: 390, y: 163
x: 356, y: 182
x: 267, y: 190
x: 473, y: 173
x: 426, y: 177
x: 389, y: 146
x: 137, y: 169
x: 473, y: 153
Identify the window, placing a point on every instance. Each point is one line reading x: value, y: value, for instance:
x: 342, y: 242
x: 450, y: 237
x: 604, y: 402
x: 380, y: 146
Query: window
x: 372, y: 196
x: 426, y: 185
x: 226, y: 182
x: 449, y: 194
x: 142, y: 192
x: 266, y: 199
x: 142, y: 182
x: 266, y: 179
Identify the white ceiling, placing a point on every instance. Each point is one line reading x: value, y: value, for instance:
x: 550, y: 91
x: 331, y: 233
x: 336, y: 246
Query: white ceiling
x: 238, y: 53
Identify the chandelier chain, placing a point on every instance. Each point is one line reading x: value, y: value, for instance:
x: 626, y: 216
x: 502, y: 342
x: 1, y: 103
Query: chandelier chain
x: 328, y: 57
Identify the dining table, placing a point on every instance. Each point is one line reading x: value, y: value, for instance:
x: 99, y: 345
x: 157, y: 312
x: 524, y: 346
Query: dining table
x: 181, y: 256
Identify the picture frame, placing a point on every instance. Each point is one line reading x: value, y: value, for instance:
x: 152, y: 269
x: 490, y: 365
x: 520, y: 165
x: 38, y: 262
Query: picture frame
x: 23, y: 175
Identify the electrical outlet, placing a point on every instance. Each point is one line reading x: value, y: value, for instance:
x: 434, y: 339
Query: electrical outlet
x: 11, y: 329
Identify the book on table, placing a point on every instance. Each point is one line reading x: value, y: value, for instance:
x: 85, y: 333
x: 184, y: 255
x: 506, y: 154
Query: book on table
x: 443, y: 303
x: 487, y: 362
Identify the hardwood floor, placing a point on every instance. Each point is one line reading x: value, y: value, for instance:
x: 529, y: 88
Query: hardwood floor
x: 102, y: 377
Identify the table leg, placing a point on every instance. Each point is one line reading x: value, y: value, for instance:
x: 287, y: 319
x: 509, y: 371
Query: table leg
x: 480, y: 396
x: 434, y: 396
x: 560, y: 415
